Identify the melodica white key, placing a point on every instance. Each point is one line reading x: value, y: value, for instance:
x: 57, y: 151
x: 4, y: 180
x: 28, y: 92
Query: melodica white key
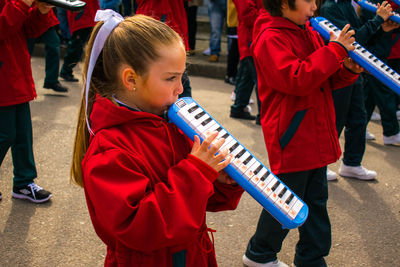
x: 362, y: 56
x: 245, y: 168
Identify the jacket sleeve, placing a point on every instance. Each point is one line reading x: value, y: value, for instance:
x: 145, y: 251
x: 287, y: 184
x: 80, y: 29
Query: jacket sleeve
x: 289, y: 74
x: 362, y: 34
x: 225, y: 197
x: 247, y: 12
x: 144, y: 215
x: 17, y: 16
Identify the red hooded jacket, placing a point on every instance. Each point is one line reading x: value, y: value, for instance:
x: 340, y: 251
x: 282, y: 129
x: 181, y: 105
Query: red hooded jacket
x: 247, y: 12
x: 147, y: 197
x: 172, y: 12
x: 296, y: 75
x: 85, y: 18
x: 17, y: 23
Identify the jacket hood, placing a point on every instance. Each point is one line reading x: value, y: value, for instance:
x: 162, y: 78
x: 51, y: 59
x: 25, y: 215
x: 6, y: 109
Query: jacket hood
x: 106, y: 114
x: 265, y: 20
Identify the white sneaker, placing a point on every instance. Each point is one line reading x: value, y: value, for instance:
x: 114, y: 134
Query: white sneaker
x: 375, y: 116
x: 249, y: 263
x: 392, y: 140
x: 331, y: 175
x: 233, y: 96
x: 369, y: 136
x: 358, y: 172
x: 398, y: 114
x: 207, y: 52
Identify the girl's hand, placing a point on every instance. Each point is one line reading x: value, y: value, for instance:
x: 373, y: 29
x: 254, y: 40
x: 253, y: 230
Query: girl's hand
x: 224, y: 178
x: 384, y: 10
x: 345, y: 38
x: 206, y: 151
x: 353, y: 66
x: 43, y: 7
x: 389, y: 25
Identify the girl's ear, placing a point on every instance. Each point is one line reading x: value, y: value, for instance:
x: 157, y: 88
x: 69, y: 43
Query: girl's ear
x: 285, y: 4
x: 129, y: 78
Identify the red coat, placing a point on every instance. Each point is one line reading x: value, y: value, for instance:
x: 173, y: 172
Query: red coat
x: 85, y: 18
x: 172, y: 12
x: 17, y: 23
x: 296, y: 75
x: 146, y: 196
x: 247, y: 12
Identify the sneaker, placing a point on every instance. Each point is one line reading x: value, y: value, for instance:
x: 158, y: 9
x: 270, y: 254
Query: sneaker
x: 369, y: 136
x: 233, y: 96
x: 392, y: 140
x: 358, y: 172
x: 331, y: 175
x: 213, y: 58
x: 191, y: 52
x: 398, y: 114
x: 0, y: 196
x: 32, y: 192
x: 249, y: 263
x: 68, y: 77
x: 375, y: 116
x: 57, y: 87
x: 245, y: 115
x: 207, y: 52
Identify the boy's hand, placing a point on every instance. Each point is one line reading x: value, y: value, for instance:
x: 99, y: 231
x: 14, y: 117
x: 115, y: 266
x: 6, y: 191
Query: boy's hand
x: 345, y: 38
x: 43, y: 7
x: 384, y: 10
x: 389, y: 25
x: 206, y: 151
x: 352, y: 66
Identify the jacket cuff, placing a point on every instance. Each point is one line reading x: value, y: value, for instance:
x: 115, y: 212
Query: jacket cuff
x: 339, y: 50
x: 207, y: 171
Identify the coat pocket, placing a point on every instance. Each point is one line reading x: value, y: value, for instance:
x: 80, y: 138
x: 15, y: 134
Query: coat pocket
x: 292, y: 128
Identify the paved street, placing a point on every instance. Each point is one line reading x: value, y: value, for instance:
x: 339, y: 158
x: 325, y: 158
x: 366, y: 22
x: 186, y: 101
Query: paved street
x: 365, y: 216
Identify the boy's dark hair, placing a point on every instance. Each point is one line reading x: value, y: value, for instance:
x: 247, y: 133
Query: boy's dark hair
x: 274, y: 7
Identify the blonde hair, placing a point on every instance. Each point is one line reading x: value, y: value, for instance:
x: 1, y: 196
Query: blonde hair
x: 134, y: 42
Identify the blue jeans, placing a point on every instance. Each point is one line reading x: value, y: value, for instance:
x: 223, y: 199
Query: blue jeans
x: 64, y: 28
x: 217, y: 13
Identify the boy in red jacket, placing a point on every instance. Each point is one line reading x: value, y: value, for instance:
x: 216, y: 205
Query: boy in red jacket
x: 296, y: 76
x: 18, y: 21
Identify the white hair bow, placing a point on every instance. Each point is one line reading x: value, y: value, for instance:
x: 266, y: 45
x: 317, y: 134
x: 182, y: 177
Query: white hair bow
x: 111, y: 20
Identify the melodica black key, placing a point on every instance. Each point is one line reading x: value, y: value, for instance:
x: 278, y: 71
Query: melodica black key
x: 274, y: 196
x: 362, y: 56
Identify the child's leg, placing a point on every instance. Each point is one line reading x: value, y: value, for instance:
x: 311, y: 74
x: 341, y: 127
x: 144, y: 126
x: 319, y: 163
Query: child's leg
x: 8, y: 130
x: 244, y: 85
x: 52, y: 47
x: 22, y: 149
x: 315, y: 234
x: 75, y: 50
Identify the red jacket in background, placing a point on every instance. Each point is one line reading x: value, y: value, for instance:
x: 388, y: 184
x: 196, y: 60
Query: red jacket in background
x: 172, y: 12
x: 147, y: 197
x: 17, y: 23
x: 296, y: 75
x: 395, y: 51
x: 247, y: 12
x: 84, y: 18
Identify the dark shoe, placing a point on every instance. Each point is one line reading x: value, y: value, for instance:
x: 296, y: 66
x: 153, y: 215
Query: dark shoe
x: 230, y: 80
x: 56, y: 87
x: 32, y: 192
x: 245, y: 115
x: 68, y: 77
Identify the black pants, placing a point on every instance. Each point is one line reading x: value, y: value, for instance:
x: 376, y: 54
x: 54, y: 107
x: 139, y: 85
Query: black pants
x: 314, y: 235
x: 350, y: 113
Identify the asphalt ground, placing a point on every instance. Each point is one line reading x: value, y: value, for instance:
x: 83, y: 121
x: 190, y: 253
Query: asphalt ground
x: 365, y: 216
